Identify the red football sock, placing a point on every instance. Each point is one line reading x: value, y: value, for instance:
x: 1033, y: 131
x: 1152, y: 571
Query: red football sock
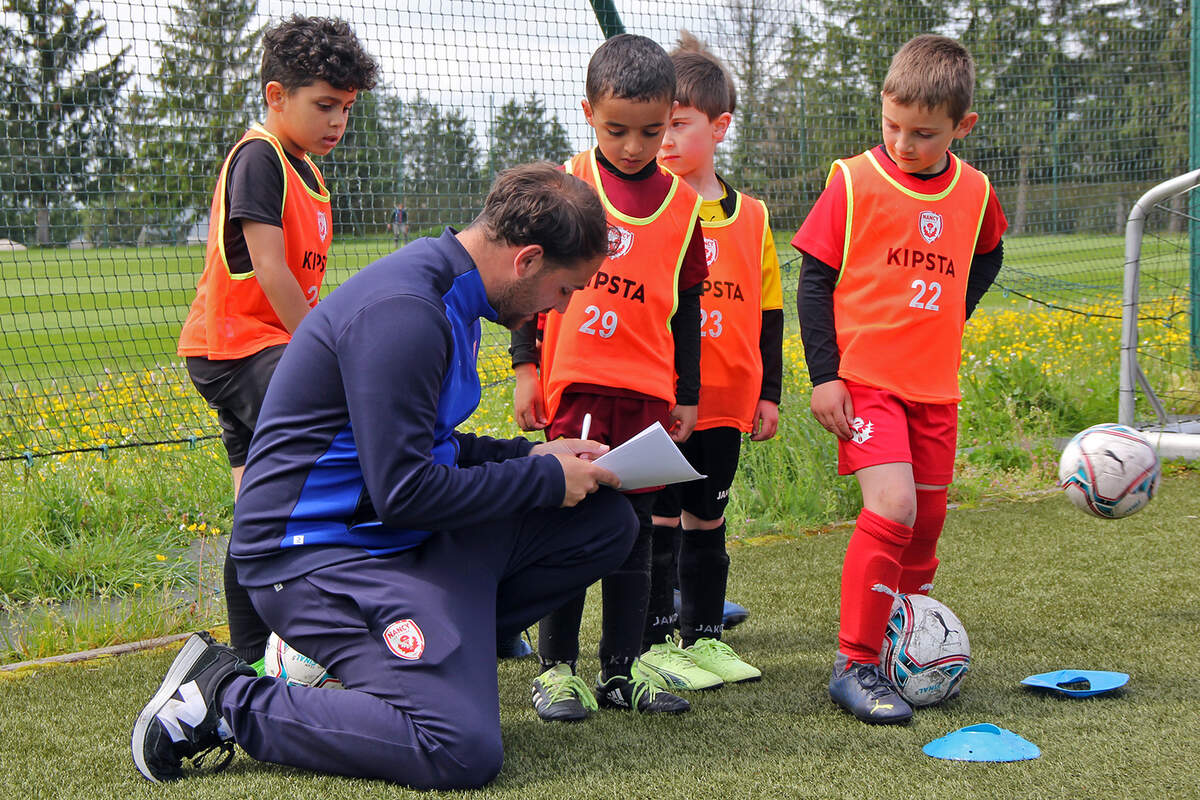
x: 919, y: 561
x: 872, y: 559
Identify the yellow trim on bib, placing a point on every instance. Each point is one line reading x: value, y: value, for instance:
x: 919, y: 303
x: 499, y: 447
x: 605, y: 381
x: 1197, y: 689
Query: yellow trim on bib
x: 918, y: 195
x: 608, y: 206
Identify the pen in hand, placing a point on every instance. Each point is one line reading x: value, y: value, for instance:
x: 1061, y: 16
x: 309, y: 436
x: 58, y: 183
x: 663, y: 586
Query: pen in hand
x: 587, y: 426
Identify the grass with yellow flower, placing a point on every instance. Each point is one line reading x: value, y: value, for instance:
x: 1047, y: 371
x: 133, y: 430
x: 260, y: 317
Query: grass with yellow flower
x: 121, y: 542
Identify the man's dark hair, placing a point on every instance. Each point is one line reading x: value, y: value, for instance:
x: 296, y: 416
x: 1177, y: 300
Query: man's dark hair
x: 300, y: 51
x: 630, y: 67
x: 539, y: 204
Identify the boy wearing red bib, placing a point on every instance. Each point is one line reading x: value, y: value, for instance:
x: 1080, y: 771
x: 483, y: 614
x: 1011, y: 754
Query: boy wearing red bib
x: 898, y: 250
x: 626, y: 351
x: 741, y: 363
x: 269, y: 232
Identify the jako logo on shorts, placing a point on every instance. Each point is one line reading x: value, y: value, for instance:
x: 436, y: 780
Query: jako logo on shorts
x: 404, y: 639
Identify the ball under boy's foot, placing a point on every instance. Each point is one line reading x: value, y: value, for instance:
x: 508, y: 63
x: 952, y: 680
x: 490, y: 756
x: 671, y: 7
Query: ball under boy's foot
x: 183, y: 720
x: 561, y: 696
x: 668, y: 666
x: 720, y: 659
x: 864, y: 691
x: 731, y: 616
x: 636, y: 692
x: 514, y: 646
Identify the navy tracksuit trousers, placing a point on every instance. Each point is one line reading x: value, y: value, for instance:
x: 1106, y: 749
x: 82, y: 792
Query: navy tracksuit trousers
x: 430, y: 721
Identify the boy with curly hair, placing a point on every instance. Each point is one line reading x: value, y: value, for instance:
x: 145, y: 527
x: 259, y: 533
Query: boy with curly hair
x: 269, y: 231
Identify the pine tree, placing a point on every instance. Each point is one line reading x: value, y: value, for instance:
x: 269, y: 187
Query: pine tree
x: 56, y: 117
x: 207, y: 93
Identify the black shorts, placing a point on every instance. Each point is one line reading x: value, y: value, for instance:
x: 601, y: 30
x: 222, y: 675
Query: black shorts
x: 235, y: 389
x: 713, y: 452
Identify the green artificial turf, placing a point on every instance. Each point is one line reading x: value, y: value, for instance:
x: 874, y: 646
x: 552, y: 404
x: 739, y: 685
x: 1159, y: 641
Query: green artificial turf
x: 1039, y: 585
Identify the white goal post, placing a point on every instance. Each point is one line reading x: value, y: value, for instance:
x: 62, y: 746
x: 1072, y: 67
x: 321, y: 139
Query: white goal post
x: 1171, y: 436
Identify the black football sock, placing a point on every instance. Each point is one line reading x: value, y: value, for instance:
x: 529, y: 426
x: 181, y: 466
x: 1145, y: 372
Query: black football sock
x: 248, y: 633
x: 703, y: 573
x: 660, y: 612
x: 624, y: 596
x: 558, y: 634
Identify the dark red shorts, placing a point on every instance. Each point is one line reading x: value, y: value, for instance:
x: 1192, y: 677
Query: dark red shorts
x: 615, y: 419
x: 889, y: 429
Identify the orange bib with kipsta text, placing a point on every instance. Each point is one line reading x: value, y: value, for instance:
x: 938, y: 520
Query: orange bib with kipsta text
x: 731, y: 318
x: 231, y: 316
x: 616, y: 331
x: 900, y: 302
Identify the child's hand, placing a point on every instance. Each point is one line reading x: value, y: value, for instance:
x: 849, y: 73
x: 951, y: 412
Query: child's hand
x: 529, y: 407
x: 766, y: 421
x: 832, y: 407
x: 683, y: 422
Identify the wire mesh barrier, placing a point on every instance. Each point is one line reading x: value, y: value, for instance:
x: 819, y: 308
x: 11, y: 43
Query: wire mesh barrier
x: 117, y: 114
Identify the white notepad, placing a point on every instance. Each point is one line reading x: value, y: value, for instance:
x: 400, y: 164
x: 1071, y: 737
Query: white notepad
x: 648, y: 459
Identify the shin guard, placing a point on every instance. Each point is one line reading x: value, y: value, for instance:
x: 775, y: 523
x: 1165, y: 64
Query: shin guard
x: 660, y: 612
x: 870, y: 577
x: 919, y: 561
x: 703, y: 574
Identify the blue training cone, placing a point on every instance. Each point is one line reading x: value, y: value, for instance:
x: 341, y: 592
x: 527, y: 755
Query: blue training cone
x: 1078, y: 682
x: 983, y: 742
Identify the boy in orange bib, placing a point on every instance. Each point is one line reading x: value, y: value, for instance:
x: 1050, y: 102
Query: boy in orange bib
x: 626, y: 351
x: 898, y: 250
x: 268, y: 236
x: 741, y: 363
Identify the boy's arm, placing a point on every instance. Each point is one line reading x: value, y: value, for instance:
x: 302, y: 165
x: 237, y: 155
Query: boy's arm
x: 770, y: 344
x: 685, y: 331
x: 830, y: 402
x: 529, y: 407
x: 984, y: 269
x: 265, y: 244
x: 255, y: 187
x: 814, y: 305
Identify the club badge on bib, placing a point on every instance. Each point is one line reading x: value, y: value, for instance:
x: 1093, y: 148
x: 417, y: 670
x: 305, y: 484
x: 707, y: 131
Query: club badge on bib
x: 404, y: 639
x: 322, y: 225
x: 930, y: 225
x: 619, y: 241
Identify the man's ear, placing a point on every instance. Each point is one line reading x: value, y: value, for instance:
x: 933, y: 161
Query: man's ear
x: 528, y: 260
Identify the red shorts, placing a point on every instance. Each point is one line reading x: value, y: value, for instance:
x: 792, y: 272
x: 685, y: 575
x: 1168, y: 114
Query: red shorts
x: 889, y: 429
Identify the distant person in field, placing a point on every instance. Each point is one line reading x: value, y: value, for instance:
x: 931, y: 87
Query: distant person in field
x: 399, y: 225
x: 898, y: 251
x: 741, y: 377
x: 269, y: 231
x: 626, y: 351
x: 383, y: 543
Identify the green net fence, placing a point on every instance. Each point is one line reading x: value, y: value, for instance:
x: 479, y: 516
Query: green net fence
x: 116, y: 116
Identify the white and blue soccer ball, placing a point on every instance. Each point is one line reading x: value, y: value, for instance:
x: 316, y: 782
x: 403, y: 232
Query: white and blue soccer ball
x: 1110, y: 471
x: 283, y: 661
x: 926, y: 652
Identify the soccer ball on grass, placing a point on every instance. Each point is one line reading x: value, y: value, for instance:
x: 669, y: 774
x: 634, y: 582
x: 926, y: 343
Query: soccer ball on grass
x: 1109, y: 470
x: 925, y: 651
x: 286, y: 663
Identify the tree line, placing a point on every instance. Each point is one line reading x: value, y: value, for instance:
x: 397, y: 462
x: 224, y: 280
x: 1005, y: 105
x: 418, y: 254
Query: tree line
x: 1084, y: 105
